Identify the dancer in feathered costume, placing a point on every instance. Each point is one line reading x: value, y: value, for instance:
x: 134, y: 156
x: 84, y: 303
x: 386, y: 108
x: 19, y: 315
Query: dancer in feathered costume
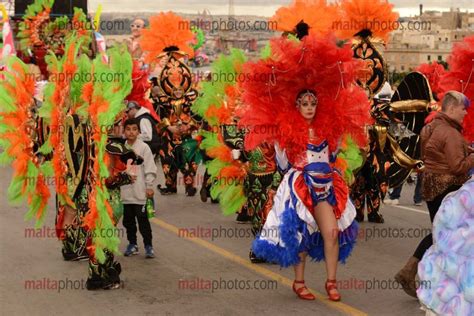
x: 76, y: 113
x: 307, y: 108
x: 80, y: 111
x: 217, y: 106
x: 166, y: 45
x: 243, y: 181
x: 356, y: 24
x: 105, y: 100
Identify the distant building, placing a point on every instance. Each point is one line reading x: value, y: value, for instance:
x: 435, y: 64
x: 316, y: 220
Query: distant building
x: 427, y: 38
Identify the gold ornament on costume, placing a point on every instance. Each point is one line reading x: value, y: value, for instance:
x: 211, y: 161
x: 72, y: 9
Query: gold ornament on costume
x: 409, y: 107
x: 373, y: 76
x: 77, y: 153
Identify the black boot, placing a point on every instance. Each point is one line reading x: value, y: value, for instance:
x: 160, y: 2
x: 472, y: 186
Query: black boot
x: 242, y: 217
x: 376, y: 217
x: 203, y: 194
x: 104, y: 276
x: 191, y: 191
x: 359, y: 217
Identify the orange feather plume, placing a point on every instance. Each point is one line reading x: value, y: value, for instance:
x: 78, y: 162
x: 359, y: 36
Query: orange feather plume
x: 316, y: 13
x: 22, y: 87
x: 357, y: 15
x: 166, y: 30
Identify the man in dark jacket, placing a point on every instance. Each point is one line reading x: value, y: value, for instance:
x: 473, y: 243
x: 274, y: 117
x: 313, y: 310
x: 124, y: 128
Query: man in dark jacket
x: 448, y: 159
x: 148, y: 131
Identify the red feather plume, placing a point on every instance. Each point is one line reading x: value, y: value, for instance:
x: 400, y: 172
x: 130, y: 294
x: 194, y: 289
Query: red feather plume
x: 461, y: 78
x: 433, y: 72
x: 314, y: 63
x: 140, y: 88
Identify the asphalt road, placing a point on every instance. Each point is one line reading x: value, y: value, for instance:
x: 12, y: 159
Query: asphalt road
x: 205, y: 272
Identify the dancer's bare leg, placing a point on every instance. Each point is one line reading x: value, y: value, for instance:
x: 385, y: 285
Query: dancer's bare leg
x: 299, y: 272
x: 327, y: 224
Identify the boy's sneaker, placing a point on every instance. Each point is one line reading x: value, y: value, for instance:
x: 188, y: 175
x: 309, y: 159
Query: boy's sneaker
x: 418, y: 203
x: 149, y: 253
x: 166, y: 191
x: 391, y: 202
x: 131, y: 250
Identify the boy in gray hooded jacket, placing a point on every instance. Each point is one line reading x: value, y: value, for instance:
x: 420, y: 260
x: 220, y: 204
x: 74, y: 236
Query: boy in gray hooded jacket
x: 134, y: 195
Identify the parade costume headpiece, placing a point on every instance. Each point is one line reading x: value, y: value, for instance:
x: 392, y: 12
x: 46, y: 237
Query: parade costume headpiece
x: 367, y: 24
x: 125, y: 154
x: 314, y: 63
x: 40, y: 33
x: 167, y: 33
x: 366, y: 18
x: 169, y: 39
x: 304, y: 17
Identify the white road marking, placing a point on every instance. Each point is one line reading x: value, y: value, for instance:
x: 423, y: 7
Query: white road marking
x: 410, y: 209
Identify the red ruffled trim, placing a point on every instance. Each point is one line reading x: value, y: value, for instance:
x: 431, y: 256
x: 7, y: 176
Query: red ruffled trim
x: 342, y: 194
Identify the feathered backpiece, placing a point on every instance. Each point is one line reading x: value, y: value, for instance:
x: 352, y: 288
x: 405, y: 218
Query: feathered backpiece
x: 272, y: 86
x: 217, y: 105
x: 40, y: 33
x: 17, y: 139
x: 105, y: 99
x: 460, y: 77
x: 56, y: 106
x: 433, y: 72
x: 36, y: 18
x: 167, y: 32
x: 366, y: 18
x: 303, y: 17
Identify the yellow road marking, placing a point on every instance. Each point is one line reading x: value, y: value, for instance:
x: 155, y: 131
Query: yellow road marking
x: 260, y: 270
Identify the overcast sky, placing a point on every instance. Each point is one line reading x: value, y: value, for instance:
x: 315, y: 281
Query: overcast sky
x: 256, y: 7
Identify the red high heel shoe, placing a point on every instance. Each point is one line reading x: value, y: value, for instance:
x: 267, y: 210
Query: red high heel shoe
x: 331, y: 289
x: 309, y: 296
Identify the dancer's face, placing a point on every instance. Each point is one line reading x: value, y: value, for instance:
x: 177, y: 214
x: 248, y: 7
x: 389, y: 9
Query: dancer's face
x: 307, y: 105
x: 136, y: 27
